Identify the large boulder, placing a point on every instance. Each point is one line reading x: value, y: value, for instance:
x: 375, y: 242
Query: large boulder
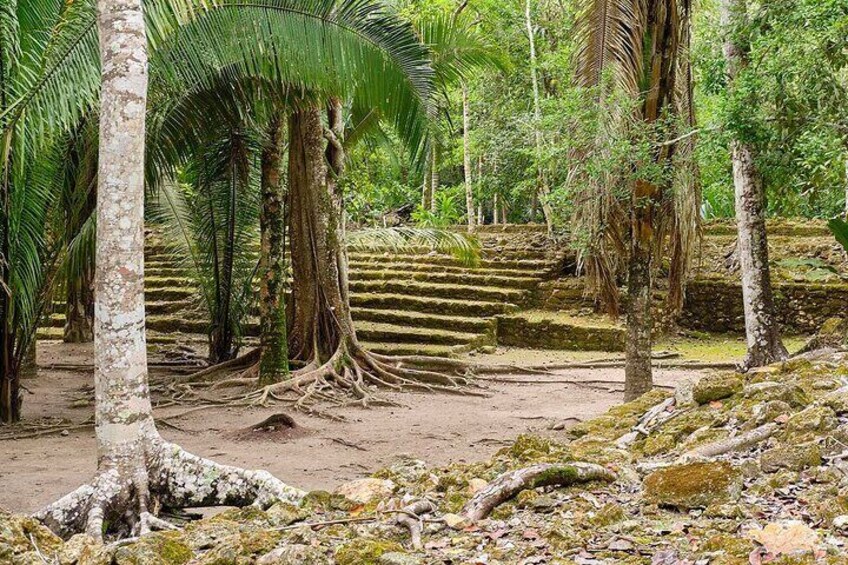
x: 794, y: 457
x: 694, y: 485
x: 364, y: 491
x: 716, y: 387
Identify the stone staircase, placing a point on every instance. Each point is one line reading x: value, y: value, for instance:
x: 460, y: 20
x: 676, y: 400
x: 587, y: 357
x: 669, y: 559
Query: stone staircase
x: 412, y: 302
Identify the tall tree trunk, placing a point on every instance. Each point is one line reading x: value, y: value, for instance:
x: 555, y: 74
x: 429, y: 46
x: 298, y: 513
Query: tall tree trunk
x: 134, y: 464
x: 466, y: 159
x: 496, y: 219
x: 761, y: 326
x: 426, y: 194
x: 273, y: 339
x: 322, y: 320
x: 435, y: 181
x: 542, y: 189
x: 638, y: 377
x: 845, y: 180
x: 323, y: 338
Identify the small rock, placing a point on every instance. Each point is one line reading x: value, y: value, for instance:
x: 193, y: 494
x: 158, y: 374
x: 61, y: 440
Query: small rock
x: 398, y: 558
x: 716, y: 387
x: 684, y: 392
x: 455, y: 521
x: 544, y: 504
x: 293, y: 554
x: 476, y: 485
x: 695, y: 485
x: 841, y: 522
x: 364, y: 491
x: 792, y: 457
x: 767, y: 391
x: 837, y: 401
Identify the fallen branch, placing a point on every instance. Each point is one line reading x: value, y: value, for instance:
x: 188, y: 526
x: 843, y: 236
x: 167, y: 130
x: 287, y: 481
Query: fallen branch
x: 741, y: 441
x: 511, y: 483
x: 654, y: 417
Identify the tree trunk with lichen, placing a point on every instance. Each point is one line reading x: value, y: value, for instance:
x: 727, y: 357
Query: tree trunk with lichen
x: 273, y: 339
x: 761, y: 326
x: 321, y: 320
x: 136, y: 468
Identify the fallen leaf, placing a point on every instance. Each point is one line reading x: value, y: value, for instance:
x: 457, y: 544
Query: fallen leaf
x: 785, y: 538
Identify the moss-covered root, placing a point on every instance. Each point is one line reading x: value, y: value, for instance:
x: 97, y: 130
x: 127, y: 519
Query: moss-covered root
x: 511, y: 483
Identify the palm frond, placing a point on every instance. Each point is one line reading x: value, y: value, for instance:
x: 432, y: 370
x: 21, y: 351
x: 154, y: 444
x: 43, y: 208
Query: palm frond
x: 464, y: 247
x: 839, y: 228
x: 611, y: 35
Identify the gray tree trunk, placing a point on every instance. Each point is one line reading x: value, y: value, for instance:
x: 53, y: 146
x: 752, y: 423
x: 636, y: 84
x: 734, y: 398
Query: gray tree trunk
x: 134, y: 463
x: 542, y: 189
x: 466, y: 159
x: 761, y: 327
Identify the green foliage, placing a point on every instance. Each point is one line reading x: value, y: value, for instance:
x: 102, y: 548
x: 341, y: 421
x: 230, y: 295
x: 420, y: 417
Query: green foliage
x: 210, y: 221
x: 839, y: 228
x: 446, y: 210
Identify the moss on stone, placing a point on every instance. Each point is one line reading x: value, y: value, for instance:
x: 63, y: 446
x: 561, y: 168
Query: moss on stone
x: 158, y: 548
x: 322, y: 500
x: 695, y: 485
x: 716, y: 387
x: 794, y: 457
x: 363, y: 551
x: 16, y: 531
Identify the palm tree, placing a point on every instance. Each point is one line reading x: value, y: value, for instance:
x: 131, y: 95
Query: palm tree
x: 641, y: 47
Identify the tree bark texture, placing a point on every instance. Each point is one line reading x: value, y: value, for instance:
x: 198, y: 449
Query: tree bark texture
x: 646, y: 197
x: 273, y: 339
x: 466, y: 159
x: 638, y: 376
x: 321, y: 312
x: 135, y: 466
x: 761, y: 327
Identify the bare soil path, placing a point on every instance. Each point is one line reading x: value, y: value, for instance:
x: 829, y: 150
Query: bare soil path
x: 437, y: 428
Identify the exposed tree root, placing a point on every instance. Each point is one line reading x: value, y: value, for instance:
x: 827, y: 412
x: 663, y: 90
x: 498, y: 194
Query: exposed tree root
x: 352, y: 374
x: 511, y: 483
x: 125, y: 503
x: 409, y: 517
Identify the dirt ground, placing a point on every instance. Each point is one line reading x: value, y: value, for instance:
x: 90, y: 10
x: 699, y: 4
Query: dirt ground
x: 437, y: 428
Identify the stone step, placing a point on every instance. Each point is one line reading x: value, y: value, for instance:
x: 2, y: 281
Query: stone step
x: 445, y: 306
x: 369, y: 266
x: 391, y: 333
x: 539, y: 329
x: 435, y: 290
x: 540, y: 265
x: 482, y: 278
x: 429, y: 350
x: 425, y: 320
x: 157, y: 280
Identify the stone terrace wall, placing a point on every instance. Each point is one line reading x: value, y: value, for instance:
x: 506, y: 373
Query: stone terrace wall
x: 716, y: 306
